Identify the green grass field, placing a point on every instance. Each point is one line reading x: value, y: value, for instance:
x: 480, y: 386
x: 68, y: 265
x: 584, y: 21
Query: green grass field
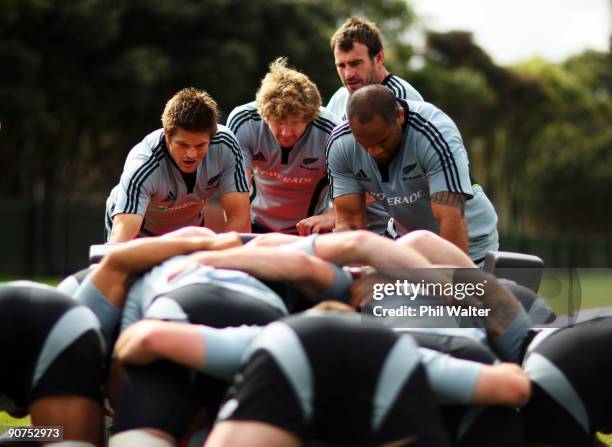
x: 582, y: 289
x: 585, y: 288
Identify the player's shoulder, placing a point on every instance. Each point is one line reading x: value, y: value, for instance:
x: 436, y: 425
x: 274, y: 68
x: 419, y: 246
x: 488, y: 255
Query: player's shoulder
x: 339, y: 95
x: 420, y: 113
x: 243, y: 114
x: 223, y: 135
x: 326, y: 121
x: 151, y: 142
x: 337, y: 103
x: 401, y: 88
x: 341, y: 136
x: 224, y: 144
x: 150, y: 149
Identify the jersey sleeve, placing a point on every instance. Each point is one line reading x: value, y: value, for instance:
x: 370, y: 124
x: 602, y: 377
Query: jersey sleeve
x: 137, y: 185
x: 225, y: 349
x: 108, y: 315
x: 337, y: 104
x: 452, y: 380
x: 233, y: 177
x: 442, y: 155
x: 241, y: 124
x: 339, y: 168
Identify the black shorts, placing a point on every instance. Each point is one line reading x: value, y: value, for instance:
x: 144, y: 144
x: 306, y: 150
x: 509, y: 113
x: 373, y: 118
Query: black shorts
x: 221, y: 307
x: 459, y: 347
x: 345, y: 362
x: 471, y: 425
x: 581, y: 369
x: 167, y: 396
x: 27, y: 317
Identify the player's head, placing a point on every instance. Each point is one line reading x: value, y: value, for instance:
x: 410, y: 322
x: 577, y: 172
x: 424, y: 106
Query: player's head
x: 287, y: 101
x: 376, y: 121
x: 358, y: 53
x: 190, y: 122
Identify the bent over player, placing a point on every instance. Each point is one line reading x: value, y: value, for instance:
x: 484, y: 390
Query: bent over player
x: 283, y: 136
x: 52, y: 363
x: 410, y: 156
x: 306, y: 377
x: 169, y: 176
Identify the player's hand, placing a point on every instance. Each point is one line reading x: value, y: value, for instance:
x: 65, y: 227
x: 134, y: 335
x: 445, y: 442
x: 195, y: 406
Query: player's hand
x: 136, y: 344
x: 323, y: 223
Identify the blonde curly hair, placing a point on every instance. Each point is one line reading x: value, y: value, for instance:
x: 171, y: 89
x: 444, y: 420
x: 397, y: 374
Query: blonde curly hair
x: 286, y: 93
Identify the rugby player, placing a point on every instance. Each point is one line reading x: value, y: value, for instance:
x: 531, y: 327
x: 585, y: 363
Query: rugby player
x: 359, y: 58
x: 283, y: 135
x: 46, y: 335
x: 295, y: 384
x: 568, y: 364
x: 410, y: 156
x: 204, y: 295
x: 172, y: 172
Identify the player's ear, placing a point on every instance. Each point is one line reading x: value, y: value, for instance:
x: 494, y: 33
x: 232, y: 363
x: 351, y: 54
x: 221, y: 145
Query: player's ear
x: 380, y: 57
x: 400, y: 115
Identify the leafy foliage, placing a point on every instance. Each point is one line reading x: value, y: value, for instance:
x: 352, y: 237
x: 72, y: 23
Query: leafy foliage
x: 84, y: 80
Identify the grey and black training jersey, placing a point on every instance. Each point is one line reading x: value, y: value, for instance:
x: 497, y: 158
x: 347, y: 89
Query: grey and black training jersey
x: 376, y: 215
x: 400, y: 88
x: 155, y: 283
x: 431, y: 158
x: 453, y: 380
x: 152, y: 185
x: 290, y: 184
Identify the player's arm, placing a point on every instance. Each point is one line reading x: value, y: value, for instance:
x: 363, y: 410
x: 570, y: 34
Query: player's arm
x: 505, y: 384
x: 148, y: 340
x: 112, y: 276
x: 326, y: 222
x: 350, y: 212
x: 307, y: 272
x: 365, y: 247
x: 217, y: 352
x: 237, y: 211
x: 272, y: 240
x: 461, y: 381
x: 125, y: 227
x: 321, y: 223
x: 448, y: 210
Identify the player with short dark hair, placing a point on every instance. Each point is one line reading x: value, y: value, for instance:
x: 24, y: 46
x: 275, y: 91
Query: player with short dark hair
x: 416, y: 167
x: 359, y: 58
x: 172, y: 172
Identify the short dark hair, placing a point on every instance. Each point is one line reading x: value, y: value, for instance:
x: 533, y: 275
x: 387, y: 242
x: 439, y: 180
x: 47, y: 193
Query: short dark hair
x: 371, y: 100
x: 357, y: 30
x: 192, y: 110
